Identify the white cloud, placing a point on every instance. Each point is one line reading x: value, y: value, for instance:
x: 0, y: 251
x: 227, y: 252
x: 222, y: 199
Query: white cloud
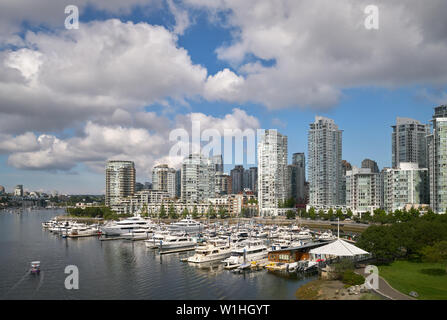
x: 315, y: 49
x: 103, y: 68
x: 101, y: 142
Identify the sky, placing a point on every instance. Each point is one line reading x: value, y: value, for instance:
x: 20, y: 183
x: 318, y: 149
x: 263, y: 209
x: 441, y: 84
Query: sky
x: 135, y: 71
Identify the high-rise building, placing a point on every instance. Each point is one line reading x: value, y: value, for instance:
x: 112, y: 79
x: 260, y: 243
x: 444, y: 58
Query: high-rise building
x: 218, y: 163
x: 363, y: 190
x: 237, y: 178
x: 198, y: 178
x: 406, y: 185
x: 2, y: 189
x: 120, y: 181
x: 297, y: 177
x: 272, y: 172
x: 325, y: 169
x: 163, y: 179
x: 178, y: 183
x: 222, y: 183
x: 409, y: 142
x: 371, y: 164
x: 437, y: 160
x: 253, y: 179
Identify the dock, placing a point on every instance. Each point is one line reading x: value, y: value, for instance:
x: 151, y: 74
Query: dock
x: 80, y: 235
x: 112, y: 238
x: 177, y: 250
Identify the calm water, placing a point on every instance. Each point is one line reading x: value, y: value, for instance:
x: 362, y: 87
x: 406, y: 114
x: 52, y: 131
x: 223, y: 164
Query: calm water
x: 116, y: 269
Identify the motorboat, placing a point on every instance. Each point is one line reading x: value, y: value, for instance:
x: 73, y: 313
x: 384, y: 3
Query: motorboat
x: 83, y: 230
x: 187, y: 225
x: 327, y: 236
x: 246, y: 254
x: 210, y: 253
x: 138, y: 234
x: 303, y: 235
x: 125, y: 226
x: 156, y: 238
x: 35, y: 267
x: 176, y: 242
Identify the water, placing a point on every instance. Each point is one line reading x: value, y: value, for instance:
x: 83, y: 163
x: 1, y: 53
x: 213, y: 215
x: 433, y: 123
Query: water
x: 116, y: 269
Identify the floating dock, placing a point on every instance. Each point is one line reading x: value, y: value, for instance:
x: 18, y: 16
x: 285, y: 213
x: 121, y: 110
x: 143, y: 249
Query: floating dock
x: 112, y: 238
x: 177, y: 250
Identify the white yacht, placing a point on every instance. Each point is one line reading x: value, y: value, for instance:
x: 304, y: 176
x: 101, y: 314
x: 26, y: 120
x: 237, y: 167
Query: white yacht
x: 125, y: 226
x: 303, y: 235
x: 138, y: 234
x: 83, y: 230
x: 246, y: 254
x: 327, y: 236
x: 210, y: 253
x: 187, y: 225
x: 156, y: 238
x: 176, y: 242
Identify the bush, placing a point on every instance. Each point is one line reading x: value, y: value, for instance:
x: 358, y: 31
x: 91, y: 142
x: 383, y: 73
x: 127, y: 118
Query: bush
x: 352, y: 278
x: 433, y: 272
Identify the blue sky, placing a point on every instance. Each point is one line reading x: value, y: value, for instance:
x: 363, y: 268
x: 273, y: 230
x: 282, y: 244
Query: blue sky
x: 363, y: 106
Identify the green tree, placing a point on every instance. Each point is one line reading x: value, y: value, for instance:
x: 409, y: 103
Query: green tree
x: 222, y: 212
x: 436, y: 253
x: 195, y: 214
x: 172, y: 212
x: 312, y: 213
x: 162, y: 213
x: 290, y: 214
x: 330, y: 214
x: 185, y: 213
x: 211, y: 213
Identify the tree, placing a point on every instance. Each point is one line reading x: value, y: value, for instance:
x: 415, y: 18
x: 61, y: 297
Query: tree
x: 436, y: 253
x: 312, y: 213
x: 195, y: 214
x: 330, y: 214
x: 321, y: 214
x: 290, y: 214
x: 349, y: 213
x: 172, y: 212
x: 162, y: 213
x: 339, y: 214
x: 211, y: 213
x: 185, y: 213
x: 222, y: 212
x: 144, y: 212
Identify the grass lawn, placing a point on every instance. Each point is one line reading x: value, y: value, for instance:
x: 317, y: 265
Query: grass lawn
x: 406, y: 276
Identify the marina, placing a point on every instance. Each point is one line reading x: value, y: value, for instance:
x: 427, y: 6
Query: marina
x: 127, y: 268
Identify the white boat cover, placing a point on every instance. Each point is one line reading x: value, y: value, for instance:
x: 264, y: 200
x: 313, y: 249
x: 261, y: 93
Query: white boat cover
x: 339, y: 248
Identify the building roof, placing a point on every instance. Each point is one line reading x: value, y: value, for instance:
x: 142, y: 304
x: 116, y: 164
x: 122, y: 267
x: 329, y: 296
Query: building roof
x: 339, y: 248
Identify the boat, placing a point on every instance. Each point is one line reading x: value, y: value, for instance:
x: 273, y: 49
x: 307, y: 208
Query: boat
x: 138, y: 234
x: 210, y: 253
x: 246, y: 254
x: 156, y: 238
x: 83, y: 230
x: 35, y: 267
x: 118, y: 228
x: 176, y: 242
x: 187, y: 225
x: 327, y: 236
x: 303, y: 235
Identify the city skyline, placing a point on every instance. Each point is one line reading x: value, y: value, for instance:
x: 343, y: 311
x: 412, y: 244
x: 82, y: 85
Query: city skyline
x: 58, y: 128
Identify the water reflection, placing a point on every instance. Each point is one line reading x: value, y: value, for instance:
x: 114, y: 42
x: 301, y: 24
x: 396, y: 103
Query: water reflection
x: 117, y: 269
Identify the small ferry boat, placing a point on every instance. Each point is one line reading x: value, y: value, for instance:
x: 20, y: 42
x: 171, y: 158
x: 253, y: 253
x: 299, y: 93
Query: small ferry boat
x: 35, y: 267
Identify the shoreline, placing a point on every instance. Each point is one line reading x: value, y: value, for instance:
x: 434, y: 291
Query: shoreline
x: 332, y: 290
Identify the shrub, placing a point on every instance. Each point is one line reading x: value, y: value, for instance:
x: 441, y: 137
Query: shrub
x: 433, y: 271
x: 352, y: 278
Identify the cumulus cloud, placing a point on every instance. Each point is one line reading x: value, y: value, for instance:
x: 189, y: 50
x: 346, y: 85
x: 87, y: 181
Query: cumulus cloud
x: 73, y: 75
x: 305, y: 53
x: 101, y: 142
